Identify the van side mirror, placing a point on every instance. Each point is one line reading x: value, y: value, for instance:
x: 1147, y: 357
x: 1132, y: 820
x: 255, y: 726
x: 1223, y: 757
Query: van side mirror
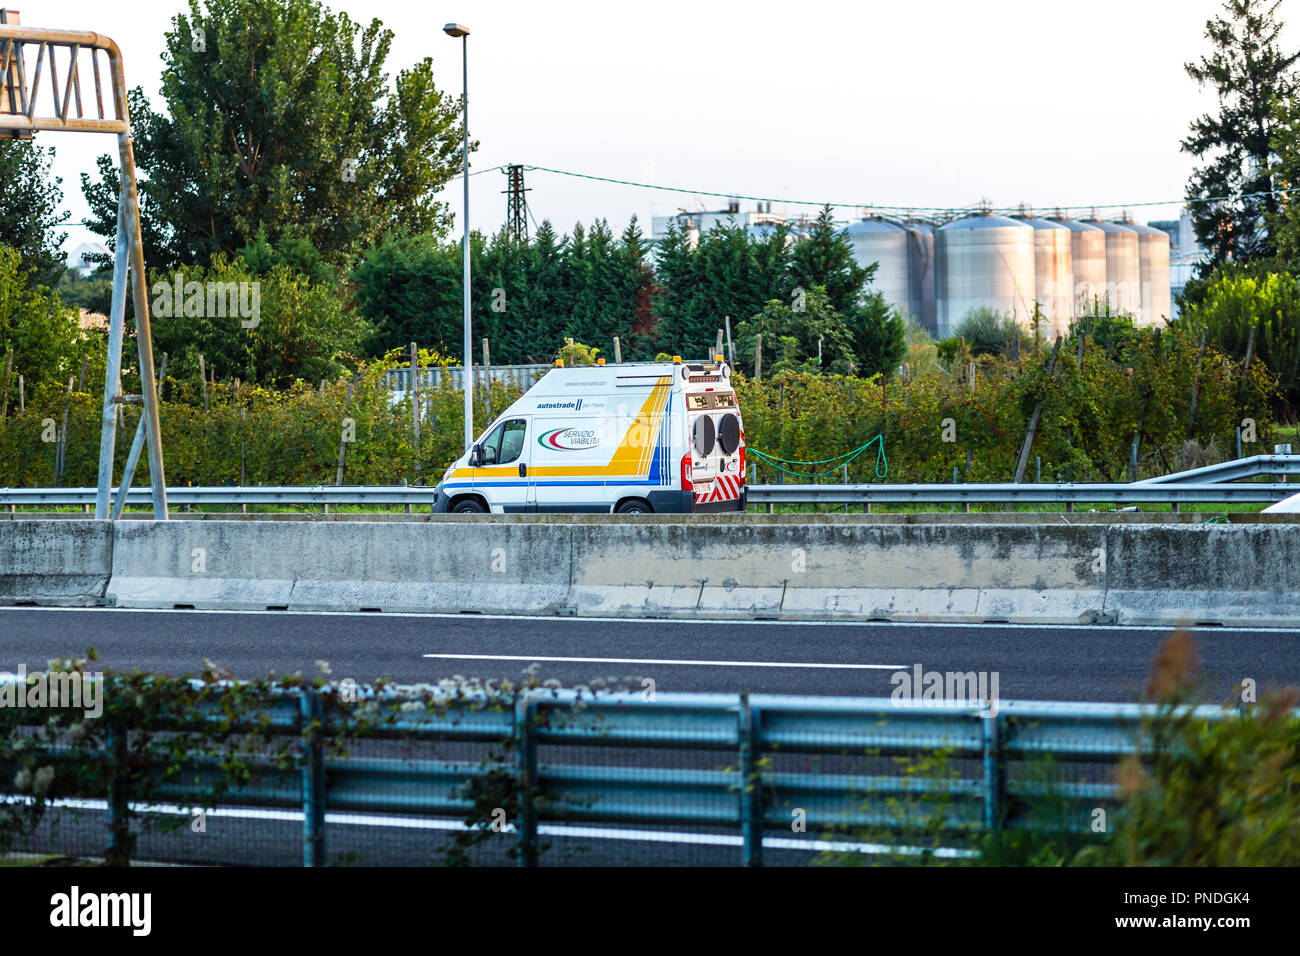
x: 476, y: 456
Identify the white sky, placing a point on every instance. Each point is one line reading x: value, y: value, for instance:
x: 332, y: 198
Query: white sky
x: 893, y: 102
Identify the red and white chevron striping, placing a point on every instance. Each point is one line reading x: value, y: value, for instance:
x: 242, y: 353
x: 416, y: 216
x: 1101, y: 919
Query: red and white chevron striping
x: 724, y: 488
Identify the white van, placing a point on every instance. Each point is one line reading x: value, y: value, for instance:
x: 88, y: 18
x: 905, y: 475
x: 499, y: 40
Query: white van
x: 635, y: 438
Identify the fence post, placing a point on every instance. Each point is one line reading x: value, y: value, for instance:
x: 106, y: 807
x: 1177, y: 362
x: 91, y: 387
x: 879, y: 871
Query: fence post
x: 203, y: 381
x: 9, y: 368
x: 1196, y: 383
x: 994, y: 776
x: 61, y: 448
x: 118, y: 852
x: 313, y: 779
x: 415, y: 396
x: 343, y: 444
x: 618, y: 352
x: 751, y: 785
x: 526, y: 826
x: 487, y: 378
x: 1035, y: 417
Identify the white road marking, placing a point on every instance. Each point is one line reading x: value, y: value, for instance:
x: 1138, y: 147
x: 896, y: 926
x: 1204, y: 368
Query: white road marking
x: 558, y: 830
x: 652, y: 660
x: 582, y: 619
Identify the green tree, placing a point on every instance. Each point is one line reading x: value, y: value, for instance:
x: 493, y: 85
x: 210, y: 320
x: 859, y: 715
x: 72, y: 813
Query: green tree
x: 282, y: 116
x: 287, y: 327
x: 29, y: 208
x: 879, y: 336
x: 810, y: 336
x: 1284, y: 225
x: 43, y: 333
x: 1236, y: 302
x: 990, y: 332
x: 292, y: 251
x: 729, y: 273
x: 676, y: 281
x: 1250, y: 73
x: 93, y: 292
x: 826, y: 259
x: 409, y: 288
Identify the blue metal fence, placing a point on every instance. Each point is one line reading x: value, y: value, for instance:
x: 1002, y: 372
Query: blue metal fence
x: 750, y: 776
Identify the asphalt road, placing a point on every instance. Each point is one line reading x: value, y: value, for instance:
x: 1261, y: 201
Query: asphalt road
x: 1038, y: 662
x: 1093, y: 663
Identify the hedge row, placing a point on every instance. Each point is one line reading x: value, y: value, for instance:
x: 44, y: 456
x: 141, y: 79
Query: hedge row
x: 1091, y: 412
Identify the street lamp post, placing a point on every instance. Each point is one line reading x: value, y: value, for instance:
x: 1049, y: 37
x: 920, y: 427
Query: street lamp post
x: 461, y: 32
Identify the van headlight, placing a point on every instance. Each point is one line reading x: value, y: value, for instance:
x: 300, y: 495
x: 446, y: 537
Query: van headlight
x: 447, y: 474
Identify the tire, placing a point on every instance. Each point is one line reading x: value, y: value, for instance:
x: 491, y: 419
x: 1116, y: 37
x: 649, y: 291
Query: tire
x: 635, y: 506
x: 468, y: 506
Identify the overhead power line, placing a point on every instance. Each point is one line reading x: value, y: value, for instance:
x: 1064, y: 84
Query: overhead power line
x: 906, y: 209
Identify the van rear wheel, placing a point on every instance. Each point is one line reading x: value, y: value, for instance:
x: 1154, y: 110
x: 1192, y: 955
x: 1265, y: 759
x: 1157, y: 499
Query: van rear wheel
x: 635, y: 506
x: 468, y: 506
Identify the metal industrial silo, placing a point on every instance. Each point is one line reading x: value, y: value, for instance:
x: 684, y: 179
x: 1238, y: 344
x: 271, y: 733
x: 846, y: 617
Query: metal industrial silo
x: 921, y: 273
x: 1053, y: 272
x: 1123, y: 268
x: 1087, y: 262
x: 984, y: 261
x: 884, y: 243
x: 1155, y: 304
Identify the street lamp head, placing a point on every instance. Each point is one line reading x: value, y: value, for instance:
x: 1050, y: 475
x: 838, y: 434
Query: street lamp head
x: 456, y: 30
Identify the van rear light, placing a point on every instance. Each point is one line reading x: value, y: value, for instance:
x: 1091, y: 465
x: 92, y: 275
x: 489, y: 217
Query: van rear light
x: 742, y: 463
x: 686, y: 473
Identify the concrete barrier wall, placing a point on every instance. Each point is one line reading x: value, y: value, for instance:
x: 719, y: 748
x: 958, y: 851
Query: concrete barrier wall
x: 898, y: 572
x: 1211, y: 574
x: 343, y: 566
x: 1048, y: 573
x: 48, y: 562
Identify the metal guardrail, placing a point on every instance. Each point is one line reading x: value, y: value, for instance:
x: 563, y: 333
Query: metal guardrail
x: 1009, y: 493
x: 748, y: 793
x: 1213, y: 484
x: 417, y: 495
x: 1238, y: 468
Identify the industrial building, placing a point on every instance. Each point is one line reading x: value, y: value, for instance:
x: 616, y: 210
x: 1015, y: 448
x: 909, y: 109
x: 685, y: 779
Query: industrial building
x: 1015, y: 265
x: 938, y: 269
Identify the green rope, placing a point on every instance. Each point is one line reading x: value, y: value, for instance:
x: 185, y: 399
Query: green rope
x: 882, y: 464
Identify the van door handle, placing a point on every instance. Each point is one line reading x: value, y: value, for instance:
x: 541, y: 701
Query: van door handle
x: 523, y: 470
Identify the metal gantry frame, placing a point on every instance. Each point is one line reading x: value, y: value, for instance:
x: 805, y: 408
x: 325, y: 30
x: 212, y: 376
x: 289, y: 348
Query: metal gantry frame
x: 20, y: 117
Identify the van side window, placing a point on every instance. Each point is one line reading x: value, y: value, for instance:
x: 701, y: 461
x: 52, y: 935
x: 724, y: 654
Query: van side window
x: 505, y: 442
x: 492, y: 445
x: 512, y: 440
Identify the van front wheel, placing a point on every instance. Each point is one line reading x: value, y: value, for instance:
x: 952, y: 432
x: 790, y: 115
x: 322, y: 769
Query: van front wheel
x: 635, y: 506
x: 468, y: 506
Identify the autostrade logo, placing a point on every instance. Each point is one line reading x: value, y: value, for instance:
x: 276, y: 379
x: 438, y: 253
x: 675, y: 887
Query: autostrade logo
x: 569, y: 439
